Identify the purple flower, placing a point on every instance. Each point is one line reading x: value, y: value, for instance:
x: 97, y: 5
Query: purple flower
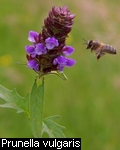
x: 51, y: 42
x: 33, y: 65
x: 32, y: 36
x: 62, y: 61
x: 40, y: 49
x: 68, y: 50
x: 30, y: 50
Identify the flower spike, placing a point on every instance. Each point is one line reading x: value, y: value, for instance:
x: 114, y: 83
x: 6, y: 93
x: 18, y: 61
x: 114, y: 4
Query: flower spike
x: 48, y: 51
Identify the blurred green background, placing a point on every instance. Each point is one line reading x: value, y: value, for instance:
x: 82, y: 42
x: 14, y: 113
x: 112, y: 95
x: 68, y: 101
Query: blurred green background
x: 89, y: 102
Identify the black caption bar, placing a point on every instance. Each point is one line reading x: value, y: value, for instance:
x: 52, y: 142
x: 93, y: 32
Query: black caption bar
x: 58, y: 143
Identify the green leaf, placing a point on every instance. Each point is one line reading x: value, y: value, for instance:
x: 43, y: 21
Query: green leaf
x: 36, y: 108
x: 13, y: 100
x: 61, y: 75
x: 51, y: 128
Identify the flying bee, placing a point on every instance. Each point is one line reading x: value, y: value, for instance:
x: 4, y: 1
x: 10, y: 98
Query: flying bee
x: 99, y: 48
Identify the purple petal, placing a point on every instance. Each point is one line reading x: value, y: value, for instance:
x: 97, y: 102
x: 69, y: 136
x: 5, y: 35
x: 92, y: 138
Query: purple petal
x: 68, y: 50
x: 33, y: 65
x: 55, y: 61
x: 70, y: 62
x: 61, y: 60
x: 29, y: 49
x: 51, y: 43
x: 61, y: 68
x: 32, y: 36
x: 40, y: 49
